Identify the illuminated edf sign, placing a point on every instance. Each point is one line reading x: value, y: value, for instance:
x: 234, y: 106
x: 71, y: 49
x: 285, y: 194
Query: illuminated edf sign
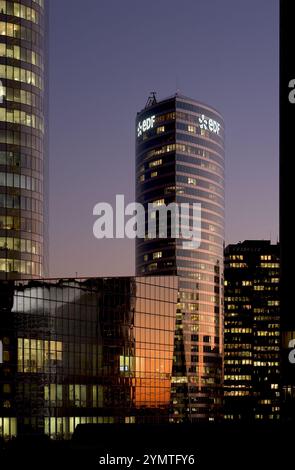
x: 209, y: 124
x: 145, y: 125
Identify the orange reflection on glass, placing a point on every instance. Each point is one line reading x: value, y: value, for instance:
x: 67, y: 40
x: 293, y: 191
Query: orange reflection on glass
x: 154, y: 340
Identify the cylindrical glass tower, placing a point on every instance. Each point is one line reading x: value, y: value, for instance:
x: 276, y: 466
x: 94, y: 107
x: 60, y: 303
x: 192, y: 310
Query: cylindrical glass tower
x: 22, y: 142
x: 180, y: 159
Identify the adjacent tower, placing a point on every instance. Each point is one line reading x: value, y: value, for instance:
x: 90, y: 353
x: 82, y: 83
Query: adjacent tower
x: 252, y: 331
x: 22, y: 141
x: 180, y: 159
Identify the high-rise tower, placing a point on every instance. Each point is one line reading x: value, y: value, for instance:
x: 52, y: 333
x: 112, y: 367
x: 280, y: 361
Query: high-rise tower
x: 180, y: 159
x: 22, y: 141
x: 252, y: 331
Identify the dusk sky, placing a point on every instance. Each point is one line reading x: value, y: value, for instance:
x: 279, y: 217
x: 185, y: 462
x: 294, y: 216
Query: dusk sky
x: 106, y: 56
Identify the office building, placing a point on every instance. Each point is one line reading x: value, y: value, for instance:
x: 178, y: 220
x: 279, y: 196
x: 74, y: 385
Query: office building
x: 252, y: 331
x: 180, y: 159
x: 75, y: 351
x: 22, y: 139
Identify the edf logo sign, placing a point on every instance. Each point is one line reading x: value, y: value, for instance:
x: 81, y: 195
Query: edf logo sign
x: 145, y: 125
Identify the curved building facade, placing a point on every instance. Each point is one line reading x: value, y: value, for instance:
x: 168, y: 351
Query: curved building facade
x: 180, y: 159
x: 22, y: 142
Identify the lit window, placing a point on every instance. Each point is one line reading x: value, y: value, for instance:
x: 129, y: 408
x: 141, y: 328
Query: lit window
x: 6, y: 388
x: 126, y: 363
x: 159, y: 202
x: 152, y: 266
x: 157, y: 255
x: 160, y: 130
x: 3, y: 6
x: 192, y: 181
x: 155, y: 163
x: 36, y: 355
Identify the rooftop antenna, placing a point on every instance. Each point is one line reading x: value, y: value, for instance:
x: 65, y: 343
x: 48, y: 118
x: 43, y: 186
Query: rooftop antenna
x: 152, y: 99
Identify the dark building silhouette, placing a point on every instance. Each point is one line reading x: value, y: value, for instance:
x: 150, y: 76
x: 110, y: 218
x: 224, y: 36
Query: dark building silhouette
x: 252, y: 331
x: 180, y: 159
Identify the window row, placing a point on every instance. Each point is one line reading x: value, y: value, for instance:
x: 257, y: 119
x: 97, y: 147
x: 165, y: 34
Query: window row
x: 21, y: 160
x: 8, y: 222
x: 17, y: 244
x: 160, y: 151
x: 195, y: 171
x: 10, y: 201
x: 13, y: 180
x: 65, y: 426
x: 29, y: 268
x: 200, y: 141
x: 184, y: 148
x: 17, y: 95
x: 20, y: 32
x: 12, y: 51
x: 75, y: 395
x: 25, y: 139
x: 165, y: 117
x: 35, y: 355
x: 21, y: 75
x: 201, y: 164
x: 19, y: 10
x: 15, y: 116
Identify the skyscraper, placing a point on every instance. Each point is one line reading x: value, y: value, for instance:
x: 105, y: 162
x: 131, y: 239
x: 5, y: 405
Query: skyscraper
x: 180, y: 159
x: 22, y: 141
x: 252, y: 331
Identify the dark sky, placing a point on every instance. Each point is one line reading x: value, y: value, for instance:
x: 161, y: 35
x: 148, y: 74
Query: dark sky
x: 105, y: 58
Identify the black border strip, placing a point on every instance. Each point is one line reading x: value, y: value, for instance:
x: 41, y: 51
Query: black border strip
x: 287, y: 187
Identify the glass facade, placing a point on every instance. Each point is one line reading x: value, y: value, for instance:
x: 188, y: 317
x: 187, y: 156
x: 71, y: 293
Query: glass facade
x: 180, y: 159
x: 22, y: 140
x: 96, y: 350
x: 252, y: 331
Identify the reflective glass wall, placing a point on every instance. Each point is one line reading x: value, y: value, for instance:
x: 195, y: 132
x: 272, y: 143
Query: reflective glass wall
x: 85, y: 351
